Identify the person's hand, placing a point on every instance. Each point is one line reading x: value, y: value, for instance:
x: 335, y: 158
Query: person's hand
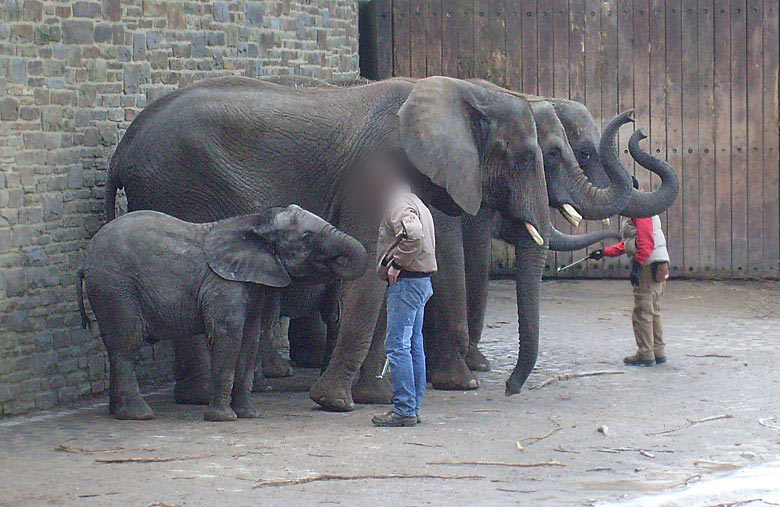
x: 596, y: 255
x: 392, y: 274
x: 636, y: 269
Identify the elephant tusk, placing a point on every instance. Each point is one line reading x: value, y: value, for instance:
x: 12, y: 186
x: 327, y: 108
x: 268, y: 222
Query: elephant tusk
x: 606, y: 222
x: 534, y: 234
x: 570, y: 214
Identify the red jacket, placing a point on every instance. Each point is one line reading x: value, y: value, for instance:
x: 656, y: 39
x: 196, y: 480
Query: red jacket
x: 645, y: 244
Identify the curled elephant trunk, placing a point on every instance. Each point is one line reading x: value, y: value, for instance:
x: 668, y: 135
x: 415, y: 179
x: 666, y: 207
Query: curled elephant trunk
x: 647, y: 204
x: 560, y: 242
x: 598, y: 203
x: 347, y: 256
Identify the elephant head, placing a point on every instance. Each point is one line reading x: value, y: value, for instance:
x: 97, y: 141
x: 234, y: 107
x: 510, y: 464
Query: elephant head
x: 277, y: 245
x: 568, y: 187
x: 480, y: 145
x: 584, y: 139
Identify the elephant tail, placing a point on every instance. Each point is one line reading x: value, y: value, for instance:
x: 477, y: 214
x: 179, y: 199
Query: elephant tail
x: 113, y: 184
x: 80, y: 295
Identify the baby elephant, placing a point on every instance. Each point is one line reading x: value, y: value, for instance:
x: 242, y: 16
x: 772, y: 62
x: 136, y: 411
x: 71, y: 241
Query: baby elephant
x: 151, y: 276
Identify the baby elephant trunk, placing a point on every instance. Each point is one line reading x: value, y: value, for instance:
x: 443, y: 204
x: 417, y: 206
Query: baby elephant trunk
x: 346, y: 256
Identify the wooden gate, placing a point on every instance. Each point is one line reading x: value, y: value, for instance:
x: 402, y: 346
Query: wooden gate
x: 702, y: 76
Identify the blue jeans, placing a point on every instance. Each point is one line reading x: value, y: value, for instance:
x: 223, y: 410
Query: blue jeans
x: 406, y: 300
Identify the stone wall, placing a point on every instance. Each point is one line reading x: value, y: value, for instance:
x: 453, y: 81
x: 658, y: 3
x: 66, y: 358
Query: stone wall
x: 73, y: 75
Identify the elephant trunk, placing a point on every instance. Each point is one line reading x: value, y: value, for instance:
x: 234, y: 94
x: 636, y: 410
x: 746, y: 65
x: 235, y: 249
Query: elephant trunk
x: 529, y: 264
x: 647, y: 204
x: 598, y: 203
x: 560, y: 242
x: 347, y: 257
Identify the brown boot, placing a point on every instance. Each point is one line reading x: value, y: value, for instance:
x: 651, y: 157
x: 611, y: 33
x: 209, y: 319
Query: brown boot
x: 635, y: 360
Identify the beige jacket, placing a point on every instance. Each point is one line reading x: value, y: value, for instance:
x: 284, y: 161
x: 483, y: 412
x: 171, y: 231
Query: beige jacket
x: 406, y: 237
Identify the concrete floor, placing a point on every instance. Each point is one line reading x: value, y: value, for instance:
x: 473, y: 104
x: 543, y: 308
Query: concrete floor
x: 724, y: 348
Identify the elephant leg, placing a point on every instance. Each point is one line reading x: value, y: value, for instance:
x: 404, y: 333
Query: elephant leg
x: 330, y: 312
x: 191, y: 367
x: 122, y: 333
x: 449, y: 342
x: 370, y: 388
x: 270, y: 363
x: 529, y: 264
x: 260, y: 316
x: 360, y: 308
x: 307, y: 340
x: 476, y: 259
x: 225, y: 331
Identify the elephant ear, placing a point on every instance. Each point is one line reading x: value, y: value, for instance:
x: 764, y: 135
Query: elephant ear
x: 238, y: 249
x: 437, y: 125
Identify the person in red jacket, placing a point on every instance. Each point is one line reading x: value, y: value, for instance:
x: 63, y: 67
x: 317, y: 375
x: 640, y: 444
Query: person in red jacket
x: 644, y: 242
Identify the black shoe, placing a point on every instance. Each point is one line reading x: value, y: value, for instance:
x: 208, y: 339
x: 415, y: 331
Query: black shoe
x: 635, y: 361
x: 391, y: 419
x: 419, y: 421
x: 660, y: 360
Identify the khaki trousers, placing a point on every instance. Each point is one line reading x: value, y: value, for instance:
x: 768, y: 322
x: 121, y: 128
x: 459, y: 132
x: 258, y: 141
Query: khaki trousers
x: 647, y: 316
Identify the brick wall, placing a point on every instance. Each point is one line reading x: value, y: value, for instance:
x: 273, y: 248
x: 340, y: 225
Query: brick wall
x: 73, y: 74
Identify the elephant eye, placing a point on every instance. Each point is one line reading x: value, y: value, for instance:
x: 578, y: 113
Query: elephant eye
x: 554, y: 152
x: 523, y: 158
x: 585, y: 153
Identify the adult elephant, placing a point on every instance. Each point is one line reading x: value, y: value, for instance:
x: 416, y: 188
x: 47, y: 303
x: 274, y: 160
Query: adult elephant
x: 584, y: 139
x: 460, y: 296
x: 231, y: 145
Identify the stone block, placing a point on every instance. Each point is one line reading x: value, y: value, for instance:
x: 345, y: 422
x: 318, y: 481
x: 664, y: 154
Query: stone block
x: 76, y: 31
x: 86, y: 9
x: 52, y: 206
x: 112, y: 10
x: 17, y: 70
x: 253, y: 13
x: 139, y: 46
x: 9, y: 109
x: 29, y: 113
x: 221, y: 12
x: 5, y: 240
x: 175, y: 14
x: 153, y: 8
x: 103, y: 33
x: 153, y: 40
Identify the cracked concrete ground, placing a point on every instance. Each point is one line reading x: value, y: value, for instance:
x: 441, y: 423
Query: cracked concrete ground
x: 724, y: 349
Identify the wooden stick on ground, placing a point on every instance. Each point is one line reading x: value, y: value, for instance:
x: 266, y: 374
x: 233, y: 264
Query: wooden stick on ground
x: 723, y: 356
x: 550, y: 463
x: 152, y: 460
x: 689, y: 423
x: 423, y: 444
x: 80, y: 450
x: 261, y: 483
x: 567, y: 376
x: 536, y: 439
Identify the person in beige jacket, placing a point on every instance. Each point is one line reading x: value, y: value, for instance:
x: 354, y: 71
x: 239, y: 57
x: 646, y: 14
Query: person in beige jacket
x: 406, y: 258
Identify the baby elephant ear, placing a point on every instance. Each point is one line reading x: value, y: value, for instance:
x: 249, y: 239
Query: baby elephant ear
x: 236, y: 249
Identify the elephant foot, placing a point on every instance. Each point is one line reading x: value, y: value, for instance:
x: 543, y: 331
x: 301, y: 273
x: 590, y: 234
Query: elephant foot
x: 372, y: 390
x: 134, y: 409
x: 275, y: 366
x: 245, y: 410
x: 475, y: 360
x: 219, y: 414
x: 331, y: 394
x: 453, y: 375
x: 192, y: 391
